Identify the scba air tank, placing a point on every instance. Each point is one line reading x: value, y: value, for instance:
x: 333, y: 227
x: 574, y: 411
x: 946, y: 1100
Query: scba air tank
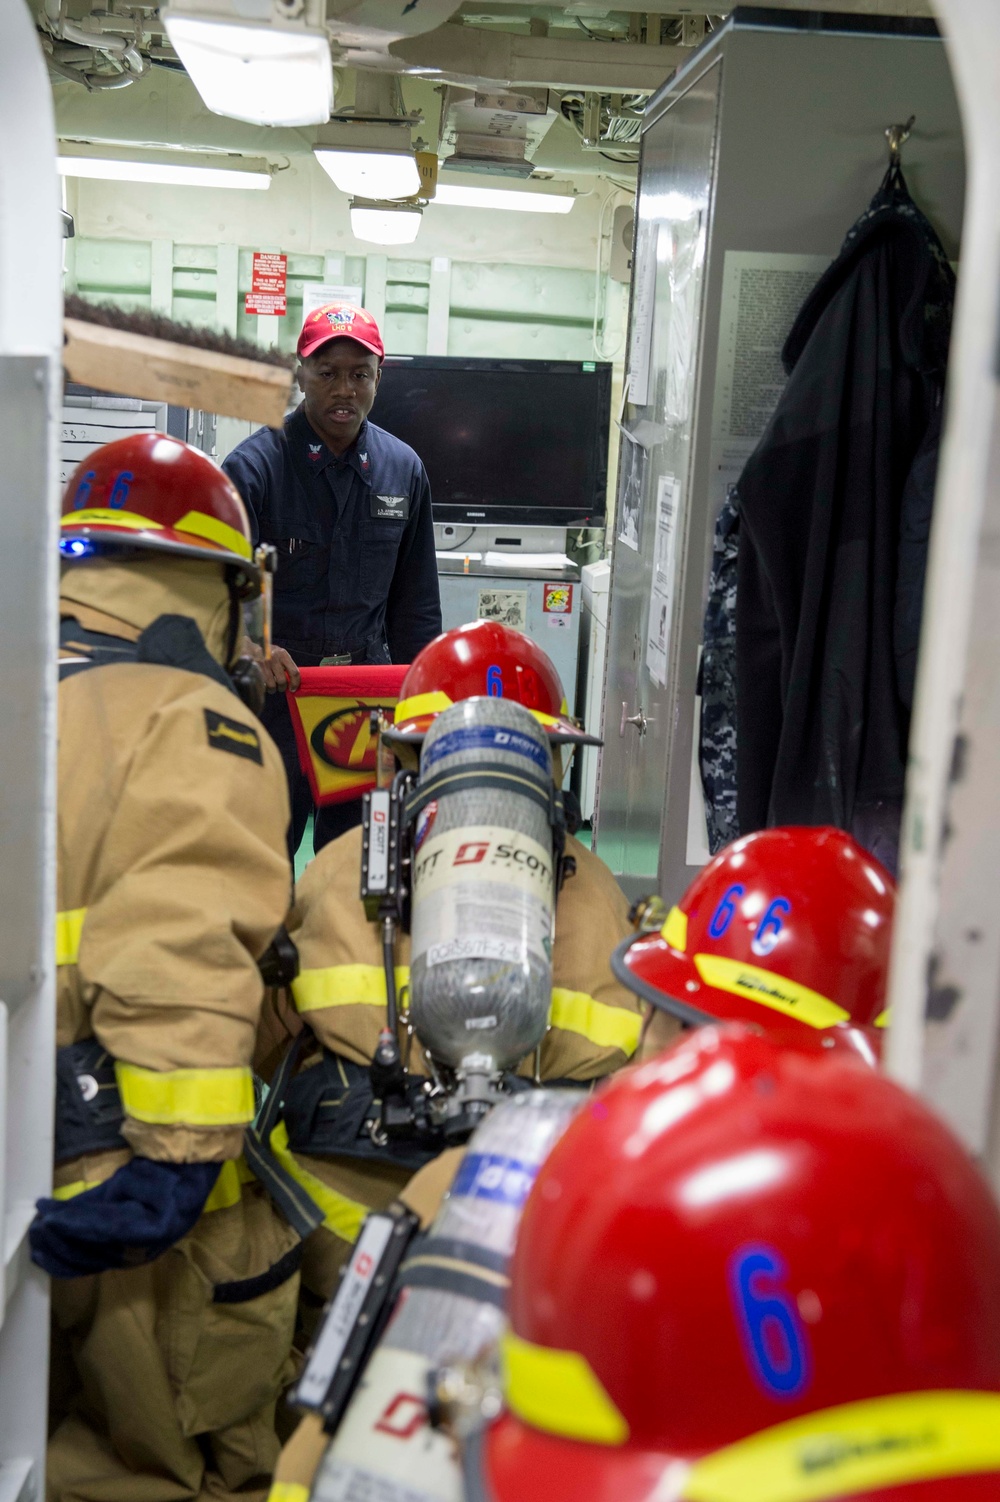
x: 451, y: 1309
x: 484, y: 887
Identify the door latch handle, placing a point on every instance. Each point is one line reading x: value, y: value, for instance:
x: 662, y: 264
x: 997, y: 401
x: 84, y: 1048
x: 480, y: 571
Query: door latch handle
x: 638, y: 720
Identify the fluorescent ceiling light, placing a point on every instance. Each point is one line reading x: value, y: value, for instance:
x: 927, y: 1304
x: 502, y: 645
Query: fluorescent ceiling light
x: 385, y: 223
x: 370, y: 174
x: 456, y: 196
x: 267, y: 75
x: 176, y: 173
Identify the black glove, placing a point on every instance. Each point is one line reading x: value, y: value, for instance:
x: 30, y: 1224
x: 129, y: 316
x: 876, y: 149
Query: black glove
x: 132, y: 1217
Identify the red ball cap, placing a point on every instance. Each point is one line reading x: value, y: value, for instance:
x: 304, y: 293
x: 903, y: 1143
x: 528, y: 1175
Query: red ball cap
x: 340, y: 320
x: 150, y: 493
x: 788, y: 929
x: 483, y: 659
x: 751, y: 1273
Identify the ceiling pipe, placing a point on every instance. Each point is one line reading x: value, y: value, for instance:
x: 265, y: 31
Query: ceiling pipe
x: 480, y: 58
x: 100, y: 41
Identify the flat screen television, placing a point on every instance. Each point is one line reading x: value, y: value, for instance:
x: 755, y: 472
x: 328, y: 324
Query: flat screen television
x: 504, y: 441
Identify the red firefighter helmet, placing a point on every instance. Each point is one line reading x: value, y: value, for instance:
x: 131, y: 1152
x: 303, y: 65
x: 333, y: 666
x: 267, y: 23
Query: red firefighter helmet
x: 152, y: 494
x: 788, y: 929
x: 751, y: 1273
x: 487, y: 659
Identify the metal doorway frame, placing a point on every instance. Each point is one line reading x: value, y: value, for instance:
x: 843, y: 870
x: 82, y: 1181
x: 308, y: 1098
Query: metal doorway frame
x: 945, y: 979
x: 30, y: 387
x: 947, y: 941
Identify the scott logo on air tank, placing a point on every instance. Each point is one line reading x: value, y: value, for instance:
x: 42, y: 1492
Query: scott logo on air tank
x: 471, y: 853
x: 527, y: 860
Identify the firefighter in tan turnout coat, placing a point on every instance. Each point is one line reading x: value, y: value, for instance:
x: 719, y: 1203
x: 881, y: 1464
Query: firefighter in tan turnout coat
x: 339, y: 996
x: 175, y: 1279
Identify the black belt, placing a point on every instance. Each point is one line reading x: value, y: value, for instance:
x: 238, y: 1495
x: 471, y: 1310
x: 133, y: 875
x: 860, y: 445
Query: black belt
x: 309, y: 654
x: 330, y: 1108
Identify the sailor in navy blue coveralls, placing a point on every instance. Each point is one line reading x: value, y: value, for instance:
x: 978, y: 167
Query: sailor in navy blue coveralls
x: 357, y: 574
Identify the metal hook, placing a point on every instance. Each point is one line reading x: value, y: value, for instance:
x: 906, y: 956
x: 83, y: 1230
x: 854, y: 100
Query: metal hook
x: 896, y: 135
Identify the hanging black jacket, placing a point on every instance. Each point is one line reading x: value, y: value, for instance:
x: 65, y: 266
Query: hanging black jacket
x: 717, y: 680
x: 821, y: 724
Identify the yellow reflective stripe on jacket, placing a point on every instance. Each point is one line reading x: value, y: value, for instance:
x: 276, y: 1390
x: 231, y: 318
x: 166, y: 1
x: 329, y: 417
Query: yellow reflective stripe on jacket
x: 78, y: 1186
x: 559, y: 1393
x: 226, y: 1191
x: 228, y: 1187
x: 343, y: 1216
x: 364, y: 985
x: 186, y: 1097
x: 769, y: 990
x: 604, y: 1026
x: 344, y: 986
x: 288, y: 1491
x: 69, y: 928
x: 858, y: 1447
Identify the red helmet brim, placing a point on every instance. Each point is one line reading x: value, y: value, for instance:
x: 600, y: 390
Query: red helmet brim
x: 108, y: 541
x: 649, y: 967
x: 512, y: 1463
x: 560, y: 732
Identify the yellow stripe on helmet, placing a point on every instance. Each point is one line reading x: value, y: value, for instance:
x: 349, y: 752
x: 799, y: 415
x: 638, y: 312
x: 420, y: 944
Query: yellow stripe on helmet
x: 130, y: 519
x: 857, y: 1447
x: 436, y: 701
x: 69, y: 931
x: 197, y: 523
x: 884, y: 1018
x: 769, y: 990
x: 559, y: 1393
x: 200, y: 524
x: 421, y: 704
x: 675, y: 930
x: 188, y: 1097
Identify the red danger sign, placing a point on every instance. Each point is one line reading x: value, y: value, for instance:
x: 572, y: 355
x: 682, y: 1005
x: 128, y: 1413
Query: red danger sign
x: 268, y: 285
x: 558, y: 599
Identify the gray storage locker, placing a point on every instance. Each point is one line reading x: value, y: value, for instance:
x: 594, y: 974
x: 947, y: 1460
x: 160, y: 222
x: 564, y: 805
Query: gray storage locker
x: 757, y: 157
